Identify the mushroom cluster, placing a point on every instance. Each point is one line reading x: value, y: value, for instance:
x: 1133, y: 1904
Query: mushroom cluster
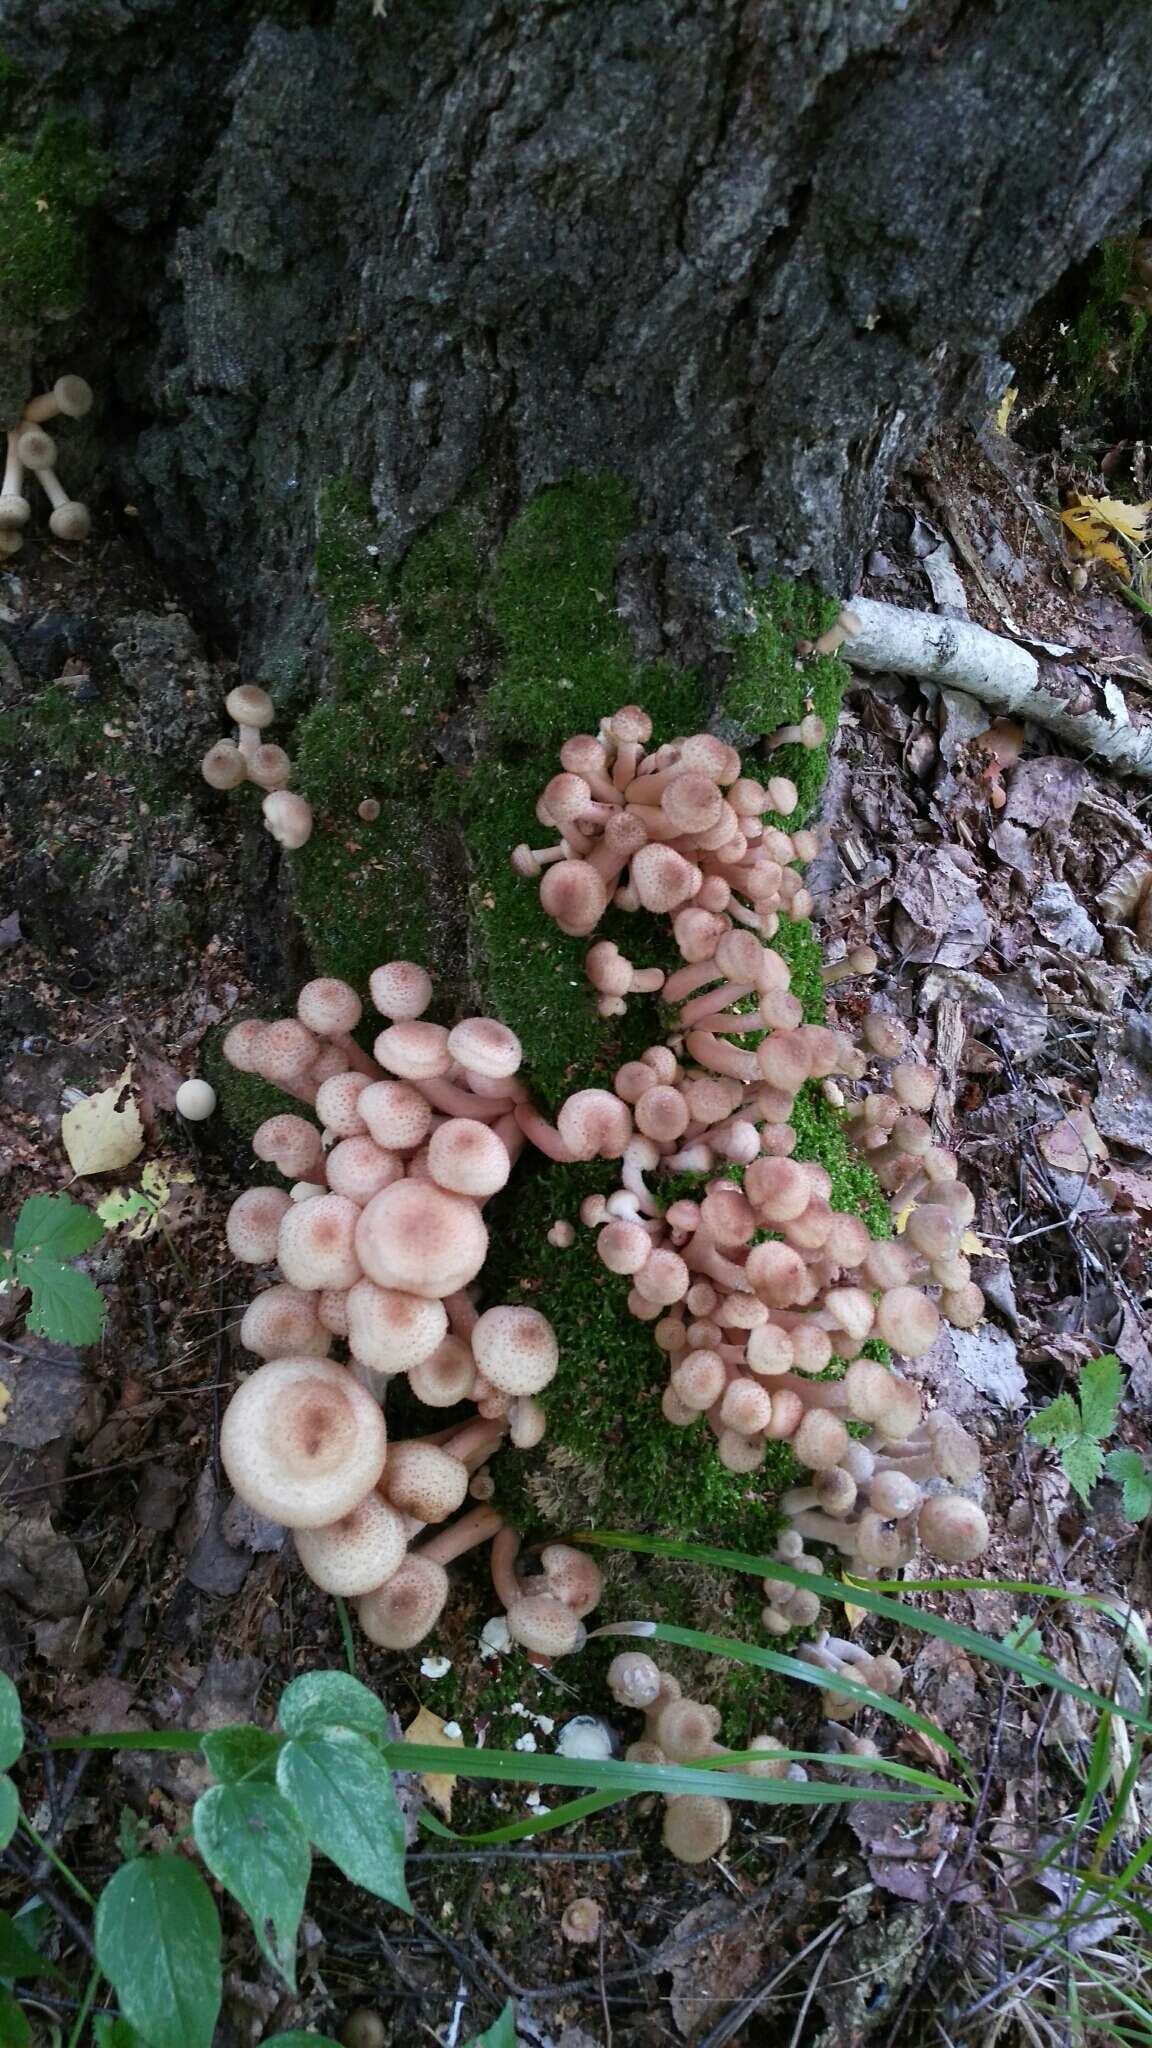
x: 760, y: 1283
x: 32, y: 452
x: 545, y: 1614
x: 252, y: 758
x: 680, y: 1730
x: 377, y: 1243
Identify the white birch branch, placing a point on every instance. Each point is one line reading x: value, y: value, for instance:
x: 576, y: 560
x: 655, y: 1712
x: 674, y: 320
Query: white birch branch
x: 962, y: 656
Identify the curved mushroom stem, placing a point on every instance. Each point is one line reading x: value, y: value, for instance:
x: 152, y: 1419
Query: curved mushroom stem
x: 542, y: 1134
x: 476, y: 1441
x: 820, y: 1528
x: 472, y: 1529
x: 360, y: 1061
x: 505, y: 1578
x: 463, y: 1314
x: 453, y: 1101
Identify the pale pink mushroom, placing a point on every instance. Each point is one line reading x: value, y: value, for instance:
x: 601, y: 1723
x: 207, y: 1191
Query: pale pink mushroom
x: 358, y: 1169
x: 302, y: 1443
x: 254, y: 1222
x: 467, y: 1158
x: 415, y: 1237
x: 391, y: 1331
x: 317, y: 1243
x: 283, y: 1322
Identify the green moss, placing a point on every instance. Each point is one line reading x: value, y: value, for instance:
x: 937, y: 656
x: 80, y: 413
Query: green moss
x: 42, y: 242
x: 52, y: 729
x: 245, y: 1101
x: 770, y: 686
x: 1101, y: 344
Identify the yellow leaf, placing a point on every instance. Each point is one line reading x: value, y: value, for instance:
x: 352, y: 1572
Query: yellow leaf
x: 1091, y: 522
x: 104, y: 1131
x: 438, y: 1785
x: 5, y: 1397
x: 900, y: 1217
x: 852, y: 1614
x: 1004, y: 409
x: 1129, y: 521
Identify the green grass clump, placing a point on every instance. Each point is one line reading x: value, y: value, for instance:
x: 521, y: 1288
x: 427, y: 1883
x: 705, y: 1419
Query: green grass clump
x: 42, y: 241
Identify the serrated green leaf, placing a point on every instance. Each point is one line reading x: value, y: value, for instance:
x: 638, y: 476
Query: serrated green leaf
x: 9, y: 1813
x: 11, y: 1723
x: 55, y: 1226
x: 1128, y: 1469
x: 1059, y: 1423
x: 1083, y: 1462
x: 254, y: 1845
x: 1100, y: 1387
x: 502, y: 2032
x: 15, y: 2031
x: 241, y: 1752
x: 343, y: 1791
x: 67, y: 1306
x: 330, y: 1699
x: 18, y: 1958
x: 158, y: 1944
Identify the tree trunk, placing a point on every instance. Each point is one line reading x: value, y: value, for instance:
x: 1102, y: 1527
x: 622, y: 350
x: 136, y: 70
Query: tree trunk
x: 745, y: 255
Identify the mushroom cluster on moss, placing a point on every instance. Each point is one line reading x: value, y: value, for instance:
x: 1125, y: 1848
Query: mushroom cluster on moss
x: 32, y: 453
x: 252, y: 758
x: 377, y: 1242
x: 760, y: 1284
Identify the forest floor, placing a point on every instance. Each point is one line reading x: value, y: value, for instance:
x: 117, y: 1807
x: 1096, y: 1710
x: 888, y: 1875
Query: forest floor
x: 134, y: 1594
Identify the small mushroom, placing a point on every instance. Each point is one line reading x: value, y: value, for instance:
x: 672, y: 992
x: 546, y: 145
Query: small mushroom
x: 288, y: 818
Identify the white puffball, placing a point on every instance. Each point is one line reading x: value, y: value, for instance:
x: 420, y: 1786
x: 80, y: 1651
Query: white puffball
x: 195, y: 1100
x: 584, y: 1736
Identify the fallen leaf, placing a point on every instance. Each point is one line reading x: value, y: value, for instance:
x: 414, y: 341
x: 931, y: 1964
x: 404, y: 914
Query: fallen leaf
x: 439, y: 1785
x: 5, y: 1397
x: 103, y: 1132
x: 1072, y: 1144
x: 1091, y: 522
x: 1129, y: 521
x: 1003, y: 411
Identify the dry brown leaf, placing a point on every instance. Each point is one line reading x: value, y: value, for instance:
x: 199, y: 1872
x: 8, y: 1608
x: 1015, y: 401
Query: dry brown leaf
x: 103, y: 1132
x: 438, y: 1785
x: 1072, y: 1144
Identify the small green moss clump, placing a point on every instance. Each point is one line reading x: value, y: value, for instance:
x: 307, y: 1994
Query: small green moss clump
x: 1101, y: 344
x: 245, y: 1100
x: 770, y: 687
x: 42, y: 241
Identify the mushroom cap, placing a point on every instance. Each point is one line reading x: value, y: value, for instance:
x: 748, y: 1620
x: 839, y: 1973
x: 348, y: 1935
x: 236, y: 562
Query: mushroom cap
x: 288, y: 1142
x: 696, y: 1827
x: 400, y: 989
x: 359, y: 1552
x: 820, y: 1440
x: 515, y: 1348
x: 595, y: 1124
x: 195, y: 1100
x: 893, y: 1494
x: 414, y: 1051
x: 686, y: 1729
x: 254, y: 1222
x: 662, y: 878
x: 468, y: 1158
x: 777, y: 1273
x: 623, y: 1246
x: 482, y: 1045
x: 953, y: 1528
x: 541, y: 1623
x: 415, y: 1237
x: 572, y: 892
x: 284, y: 1050
x: 73, y: 396
x: 391, y: 1331
x: 633, y: 1679
x: 269, y: 767
x: 397, y: 1115
x: 907, y: 1321
x: 446, y: 1377
x: 698, y: 1379
x: 359, y: 1169
x: 317, y: 1243
x: 573, y: 1576
x: 424, y: 1481
x: 283, y: 1322
x: 401, y: 1612
x: 288, y: 818
x: 14, y: 510
x: 302, y: 1443
x: 224, y: 766
x: 70, y: 521
x: 36, y: 449
x: 241, y: 1045
x: 248, y: 704
x: 328, y: 1006
x: 338, y: 1104
x: 332, y: 1309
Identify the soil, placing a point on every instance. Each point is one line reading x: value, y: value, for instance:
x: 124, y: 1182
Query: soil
x: 134, y: 1593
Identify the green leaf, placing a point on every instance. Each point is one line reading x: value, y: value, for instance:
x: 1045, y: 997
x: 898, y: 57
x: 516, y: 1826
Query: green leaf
x: 109, y: 2032
x: 158, y: 1944
x: 1057, y: 1424
x: 55, y: 1226
x: 241, y: 1752
x: 14, y: 2029
x: 1128, y: 1469
x: 342, y: 1790
x: 9, y: 1812
x: 1024, y: 1634
x: 330, y: 1699
x: 298, y: 2040
x: 253, y: 1844
x: 131, y: 1829
x: 11, y: 1723
x: 502, y: 2032
x: 18, y: 1958
x: 67, y: 1306
x: 1083, y: 1462
x: 1100, y: 1387
x: 616, y: 1780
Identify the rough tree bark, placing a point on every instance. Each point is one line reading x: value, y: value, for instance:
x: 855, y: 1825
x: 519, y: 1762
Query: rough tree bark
x: 746, y: 253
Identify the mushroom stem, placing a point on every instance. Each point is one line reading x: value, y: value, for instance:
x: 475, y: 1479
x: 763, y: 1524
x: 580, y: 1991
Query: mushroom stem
x: 543, y: 1135
x: 505, y: 1578
x: 453, y: 1101
x: 359, y: 1060
x: 14, y: 506
x: 69, y: 395
x: 69, y: 520
x: 476, y: 1441
x: 472, y: 1529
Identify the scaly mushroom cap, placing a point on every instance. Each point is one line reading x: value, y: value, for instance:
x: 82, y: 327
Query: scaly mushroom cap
x: 317, y: 1243
x: 907, y: 1321
x: 359, y: 1552
x: 224, y: 766
x: 516, y: 1349
x: 468, y: 1158
x: 337, y: 1104
x: 573, y: 894
x: 662, y: 878
x: 400, y: 990
x: 444, y: 1378
x: 283, y: 1323
x: 285, y: 1050
x: 254, y: 1222
x: 328, y: 1007
x: 302, y: 1443
x: 696, y: 1827
x: 391, y: 1331
x: 482, y: 1045
x: 415, y: 1237
x: 595, y: 1124
x: 414, y: 1051
x: 686, y: 1729
x: 248, y: 704
x: 269, y: 767
x: 821, y: 1440
x: 397, y: 1115
x: 424, y: 1481
x: 540, y: 1623
x: 400, y: 1613
x: 573, y: 1577
x: 953, y: 1528
x: 359, y: 1169
x: 633, y: 1679
x: 289, y: 1143
x: 241, y: 1045
x: 288, y: 818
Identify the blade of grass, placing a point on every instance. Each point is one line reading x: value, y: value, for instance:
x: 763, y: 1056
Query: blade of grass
x: 609, y: 1775
x: 535, y: 1824
x: 897, y: 1611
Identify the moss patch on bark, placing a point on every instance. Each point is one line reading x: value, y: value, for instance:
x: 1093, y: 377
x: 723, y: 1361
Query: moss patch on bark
x: 43, y: 191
